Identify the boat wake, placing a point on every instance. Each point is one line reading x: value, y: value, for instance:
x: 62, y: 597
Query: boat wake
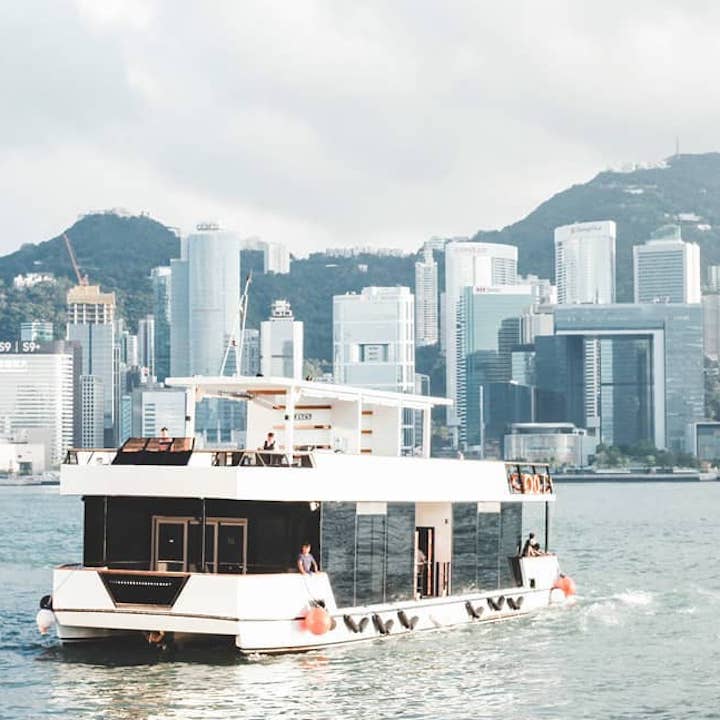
x: 616, y: 609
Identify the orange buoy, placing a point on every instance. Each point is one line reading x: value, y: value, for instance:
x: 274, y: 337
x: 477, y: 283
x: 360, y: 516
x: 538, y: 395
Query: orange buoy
x: 566, y: 584
x: 317, y: 621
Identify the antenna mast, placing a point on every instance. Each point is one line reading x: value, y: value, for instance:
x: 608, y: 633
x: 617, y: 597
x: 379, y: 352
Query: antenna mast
x: 236, y: 341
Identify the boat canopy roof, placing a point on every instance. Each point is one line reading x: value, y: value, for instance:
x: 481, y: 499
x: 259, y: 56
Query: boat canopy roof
x: 249, y: 388
x: 306, y: 414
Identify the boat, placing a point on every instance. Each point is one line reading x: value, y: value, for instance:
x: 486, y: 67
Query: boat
x: 182, y: 543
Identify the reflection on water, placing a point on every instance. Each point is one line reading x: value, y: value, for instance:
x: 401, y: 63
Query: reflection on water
x: 641, y: 640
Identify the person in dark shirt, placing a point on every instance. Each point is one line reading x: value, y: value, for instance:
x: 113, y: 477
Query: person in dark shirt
x: 529, y: 547
x: 269, y: 444
x: 306, y: 563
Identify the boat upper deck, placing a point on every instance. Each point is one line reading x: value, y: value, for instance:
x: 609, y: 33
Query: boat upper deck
x: 172, y: 468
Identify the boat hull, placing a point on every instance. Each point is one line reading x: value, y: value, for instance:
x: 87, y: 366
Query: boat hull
x: 266, y: 613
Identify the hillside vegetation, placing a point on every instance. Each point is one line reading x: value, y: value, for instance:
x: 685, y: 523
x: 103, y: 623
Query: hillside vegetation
x: 118, y: 252
x: 638, y: 201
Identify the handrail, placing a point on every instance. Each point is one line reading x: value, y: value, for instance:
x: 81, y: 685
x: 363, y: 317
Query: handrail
x: 219, y: 457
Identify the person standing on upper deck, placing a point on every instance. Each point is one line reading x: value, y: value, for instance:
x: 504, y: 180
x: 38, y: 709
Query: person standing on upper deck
x: 306, y: 562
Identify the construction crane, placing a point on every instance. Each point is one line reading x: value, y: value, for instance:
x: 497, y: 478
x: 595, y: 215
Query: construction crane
x: 82, y: 279
x: 236, y: 341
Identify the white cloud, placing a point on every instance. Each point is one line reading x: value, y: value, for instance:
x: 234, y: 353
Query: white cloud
x: 327, y: 123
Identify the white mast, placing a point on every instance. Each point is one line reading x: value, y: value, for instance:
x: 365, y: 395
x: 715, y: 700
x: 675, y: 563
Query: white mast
x: 236, y: 340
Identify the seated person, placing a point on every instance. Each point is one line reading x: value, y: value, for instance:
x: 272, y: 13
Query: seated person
x: 306, y: 563
x: 529, y: 546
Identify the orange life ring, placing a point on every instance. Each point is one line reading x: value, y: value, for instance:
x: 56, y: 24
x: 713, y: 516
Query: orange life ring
x: 547, y: 485
x: 527, y: 483
x: 536, y: 484
x: 515, y: 483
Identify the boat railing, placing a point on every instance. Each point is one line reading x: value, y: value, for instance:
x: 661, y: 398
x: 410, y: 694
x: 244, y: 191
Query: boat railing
x: 183, y: 455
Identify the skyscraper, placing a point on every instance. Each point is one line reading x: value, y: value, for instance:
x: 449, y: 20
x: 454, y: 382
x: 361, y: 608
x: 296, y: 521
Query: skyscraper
x: 650, y: 379
x: 470, y: 264
x: 37, y: 396
x: 91, y: 411
x: 667, y: 269
x: 250, y: 361
x: 91, y: 323
x: 374, y: 339
x: 426, y: 300
x: 155, y: 407
x: 489, y: 326
x: 711, y: 325
x: 146, y: 344
x: 281, y: 343
x: 205, y: 296
x: 585, y: 262
x: 160, y: 278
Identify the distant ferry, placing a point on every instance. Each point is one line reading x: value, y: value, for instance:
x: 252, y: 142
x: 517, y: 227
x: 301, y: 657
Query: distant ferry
x: 181, y: 544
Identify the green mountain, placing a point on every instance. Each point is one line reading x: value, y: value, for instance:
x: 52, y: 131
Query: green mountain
x: 115, y: 252
x: 118, y: 252
x: 686, y: 191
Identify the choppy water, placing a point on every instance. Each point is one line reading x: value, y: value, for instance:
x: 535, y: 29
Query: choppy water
x: 641, y: 641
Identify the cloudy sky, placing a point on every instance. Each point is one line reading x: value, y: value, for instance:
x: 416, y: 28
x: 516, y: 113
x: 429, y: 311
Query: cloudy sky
x: 336, y: 123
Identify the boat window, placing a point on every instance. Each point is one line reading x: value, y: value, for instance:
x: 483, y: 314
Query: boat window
x: 170, y: 545
x: 178, y: 545
x: 231, y: 547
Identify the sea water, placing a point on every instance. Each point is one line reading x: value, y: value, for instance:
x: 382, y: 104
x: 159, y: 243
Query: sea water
x: 641, y: 641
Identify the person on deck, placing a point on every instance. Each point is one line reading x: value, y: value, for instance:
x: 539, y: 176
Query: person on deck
x: 165, y: 439
x: 306, y: 563
x: 269, y: 444
x: 529, y: 547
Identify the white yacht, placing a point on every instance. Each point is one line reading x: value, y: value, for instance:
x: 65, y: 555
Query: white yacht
x: 182, y: 543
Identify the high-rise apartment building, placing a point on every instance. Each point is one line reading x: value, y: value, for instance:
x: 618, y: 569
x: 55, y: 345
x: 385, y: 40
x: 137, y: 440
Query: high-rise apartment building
x: 155, y: 407
x: 250, y: 361
x: 374, y: 339
x: 667, y: 269
x: 276, y: 257
x: 160, y: 279
x: 146, y: 344
x: 91, y: 323
x: 281, y: 343
x: 37, y: 331
x: 37, y: 397
x: 585, y: 263
x: 92, y: 394
x: 205, y: 297
x: 711, y: 325
x: 426, y: 300
x: 713, y: 278
x: 470, y: 264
